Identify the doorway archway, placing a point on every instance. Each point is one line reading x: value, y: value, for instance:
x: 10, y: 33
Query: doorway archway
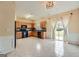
x: 59, y: 30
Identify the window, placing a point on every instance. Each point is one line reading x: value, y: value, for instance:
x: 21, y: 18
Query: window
x: 59, y: 30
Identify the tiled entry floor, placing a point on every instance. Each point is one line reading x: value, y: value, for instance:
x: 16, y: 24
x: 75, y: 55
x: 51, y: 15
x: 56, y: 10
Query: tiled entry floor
x: 34, y: 47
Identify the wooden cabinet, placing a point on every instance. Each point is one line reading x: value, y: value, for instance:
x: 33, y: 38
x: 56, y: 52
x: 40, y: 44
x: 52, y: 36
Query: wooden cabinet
x: 30, y: 24
x: 43, y: 24
x: 32, y: 33
x: 18, y: 35
x: 44, y: 35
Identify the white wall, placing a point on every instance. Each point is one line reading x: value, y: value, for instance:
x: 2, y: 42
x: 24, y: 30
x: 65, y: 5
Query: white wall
x: 73, y: 36
x: 6, y: 44
x: 7, y: 16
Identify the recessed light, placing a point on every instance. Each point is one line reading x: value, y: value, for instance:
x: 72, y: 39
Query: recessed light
x: 28, y: 16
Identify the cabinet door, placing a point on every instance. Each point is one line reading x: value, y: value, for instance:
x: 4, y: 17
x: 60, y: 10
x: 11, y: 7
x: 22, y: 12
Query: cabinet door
x: 18, y: 35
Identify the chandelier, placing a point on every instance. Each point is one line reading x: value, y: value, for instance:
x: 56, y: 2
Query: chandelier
x: 48, y: 4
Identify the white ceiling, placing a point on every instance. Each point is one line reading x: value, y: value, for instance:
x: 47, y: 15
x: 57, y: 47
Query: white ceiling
x: 38, y: 11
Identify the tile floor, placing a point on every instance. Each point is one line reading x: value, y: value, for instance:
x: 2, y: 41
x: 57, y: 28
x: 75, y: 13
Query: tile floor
x: 34, y: 47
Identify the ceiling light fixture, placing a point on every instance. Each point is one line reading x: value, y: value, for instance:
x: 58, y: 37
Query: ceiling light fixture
x: 48, y: 4
x: 29, y: 16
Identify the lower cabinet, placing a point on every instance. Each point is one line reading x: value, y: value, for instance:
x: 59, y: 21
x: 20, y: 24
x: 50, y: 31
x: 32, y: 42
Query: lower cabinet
x: 18, y: 35
x: 41, y: 35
